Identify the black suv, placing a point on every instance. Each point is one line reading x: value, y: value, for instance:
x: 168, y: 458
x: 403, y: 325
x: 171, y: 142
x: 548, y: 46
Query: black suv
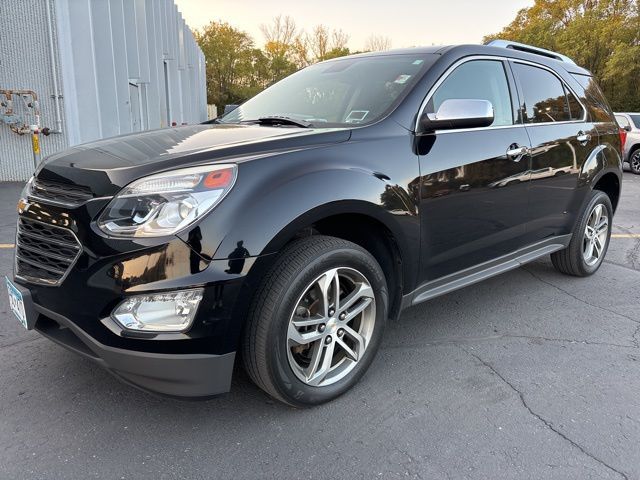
x: 292, y: 228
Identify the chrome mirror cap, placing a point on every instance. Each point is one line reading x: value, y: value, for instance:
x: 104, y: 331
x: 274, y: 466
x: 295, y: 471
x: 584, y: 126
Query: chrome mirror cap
x: 458, y: 113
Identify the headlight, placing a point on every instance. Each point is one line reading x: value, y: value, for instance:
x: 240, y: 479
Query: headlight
x: 159, y: 312
x: 165, y: 203
x: 26, y: 190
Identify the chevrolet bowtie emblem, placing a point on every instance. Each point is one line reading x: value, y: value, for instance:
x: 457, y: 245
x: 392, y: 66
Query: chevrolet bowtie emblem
x: 23, y: 205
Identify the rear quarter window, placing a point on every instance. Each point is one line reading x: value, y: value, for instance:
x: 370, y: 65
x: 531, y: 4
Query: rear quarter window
x: 596, y: 102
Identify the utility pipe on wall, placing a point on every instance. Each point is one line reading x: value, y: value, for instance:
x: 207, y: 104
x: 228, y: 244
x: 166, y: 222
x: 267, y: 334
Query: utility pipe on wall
x: 54, y: 70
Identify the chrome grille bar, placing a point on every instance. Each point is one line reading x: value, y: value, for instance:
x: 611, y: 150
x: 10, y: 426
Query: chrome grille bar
x: 58, y: 193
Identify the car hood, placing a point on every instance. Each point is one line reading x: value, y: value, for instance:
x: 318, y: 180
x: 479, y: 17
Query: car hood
x: 107, y: 165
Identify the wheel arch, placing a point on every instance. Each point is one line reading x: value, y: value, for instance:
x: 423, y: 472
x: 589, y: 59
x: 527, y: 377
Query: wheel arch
x: 609, y: 183
x: 603, y: 171
x: 366, y: 225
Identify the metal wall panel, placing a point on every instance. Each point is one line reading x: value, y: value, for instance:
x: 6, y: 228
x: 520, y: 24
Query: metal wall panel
x: 25, y: 65
x: 111, y: 68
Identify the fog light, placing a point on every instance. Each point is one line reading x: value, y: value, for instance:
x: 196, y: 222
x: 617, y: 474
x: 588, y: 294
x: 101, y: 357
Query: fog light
x: 159, y: 312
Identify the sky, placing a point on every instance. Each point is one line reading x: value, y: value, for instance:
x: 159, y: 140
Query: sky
x: 406, y: 22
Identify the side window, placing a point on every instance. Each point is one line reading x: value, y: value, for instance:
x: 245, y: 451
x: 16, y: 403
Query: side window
x: 544, y: 96
x: 575, y: 108
x: 622, y: 121
x: 478, y: 80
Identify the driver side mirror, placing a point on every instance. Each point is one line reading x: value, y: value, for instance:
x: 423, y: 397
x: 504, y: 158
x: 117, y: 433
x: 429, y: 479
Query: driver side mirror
x: 458, y: 113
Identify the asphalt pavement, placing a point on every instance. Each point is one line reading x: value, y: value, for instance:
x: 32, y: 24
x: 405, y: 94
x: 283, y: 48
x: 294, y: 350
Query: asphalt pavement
x: 530, y: 374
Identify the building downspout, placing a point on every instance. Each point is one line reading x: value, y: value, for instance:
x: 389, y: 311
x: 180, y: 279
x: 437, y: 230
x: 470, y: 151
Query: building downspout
x: 54, y: 70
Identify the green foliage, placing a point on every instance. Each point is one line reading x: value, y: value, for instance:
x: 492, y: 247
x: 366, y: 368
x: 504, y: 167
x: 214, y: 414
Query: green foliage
x: 237, y: 70
x: 601, y: 35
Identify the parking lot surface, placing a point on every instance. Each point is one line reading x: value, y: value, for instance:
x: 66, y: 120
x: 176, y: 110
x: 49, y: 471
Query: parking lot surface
x: 530, y: 374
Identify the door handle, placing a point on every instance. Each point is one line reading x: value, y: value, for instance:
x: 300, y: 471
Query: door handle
x: 582, y: 137
x: 516, y: 152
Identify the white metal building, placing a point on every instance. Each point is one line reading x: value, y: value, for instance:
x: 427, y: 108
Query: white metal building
x: 92, y: 69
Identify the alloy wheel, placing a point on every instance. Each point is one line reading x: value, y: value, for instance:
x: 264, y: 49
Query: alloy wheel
x: 635, y: 161
x: 595, y: 235
x: 331, y: 327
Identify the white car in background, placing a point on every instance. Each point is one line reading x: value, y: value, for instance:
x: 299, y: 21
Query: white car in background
x: 630, y: 122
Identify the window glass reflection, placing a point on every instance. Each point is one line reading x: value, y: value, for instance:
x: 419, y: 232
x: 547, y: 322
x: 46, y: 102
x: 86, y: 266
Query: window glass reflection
x: 544, y: 97
x: 478, y: 80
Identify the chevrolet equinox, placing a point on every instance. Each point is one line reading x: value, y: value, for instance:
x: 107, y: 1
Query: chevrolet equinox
x: 288, y: 231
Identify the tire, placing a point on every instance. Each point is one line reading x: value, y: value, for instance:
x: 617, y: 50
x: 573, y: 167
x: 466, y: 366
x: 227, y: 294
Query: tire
x: 634, y: 161
x: 274, y: 355
x: 574, y: 260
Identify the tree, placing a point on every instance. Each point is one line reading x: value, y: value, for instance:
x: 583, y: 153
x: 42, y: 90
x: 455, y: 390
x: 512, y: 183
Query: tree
x: 377, y: 43
x: 280, y: 37
x: 235, y: 69
x: 325, y: 44
x: 601, y: 35
x: 321, y: 44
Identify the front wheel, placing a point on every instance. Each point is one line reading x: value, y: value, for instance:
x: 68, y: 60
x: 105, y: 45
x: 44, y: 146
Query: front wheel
x: 590, y: 239
x: 316, y: 321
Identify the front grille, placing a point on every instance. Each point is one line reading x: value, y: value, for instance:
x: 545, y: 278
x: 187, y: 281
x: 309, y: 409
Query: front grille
x: 60, y: 193
x: 44, y: 253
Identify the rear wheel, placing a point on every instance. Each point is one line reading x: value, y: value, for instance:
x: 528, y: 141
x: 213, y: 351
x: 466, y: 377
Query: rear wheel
x: 590, y: 240
x: 316, y: 321
x: 634, y: 161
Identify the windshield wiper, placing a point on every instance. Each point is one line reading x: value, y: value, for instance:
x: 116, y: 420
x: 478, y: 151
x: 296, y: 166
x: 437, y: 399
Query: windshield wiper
x: 281, y: 120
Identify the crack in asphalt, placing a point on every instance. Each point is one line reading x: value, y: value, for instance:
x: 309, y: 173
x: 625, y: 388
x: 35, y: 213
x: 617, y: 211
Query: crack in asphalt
x: 621, y: 265
x: 580, y: 299
x: 20, y: 342
x: 546, y: 422
x: 634, y: 337
x: 462, y: 340
x: 632, y: 255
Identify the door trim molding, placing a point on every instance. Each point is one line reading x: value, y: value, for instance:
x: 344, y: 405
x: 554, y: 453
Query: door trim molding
x: 506, y: 60
x: 482, y: 271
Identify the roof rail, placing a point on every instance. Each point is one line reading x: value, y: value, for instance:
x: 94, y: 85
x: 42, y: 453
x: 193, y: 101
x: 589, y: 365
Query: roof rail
x: 529, y: 49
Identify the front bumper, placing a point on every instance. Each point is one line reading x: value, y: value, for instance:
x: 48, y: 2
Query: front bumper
x: 176, y: 375
x: 77, y: 312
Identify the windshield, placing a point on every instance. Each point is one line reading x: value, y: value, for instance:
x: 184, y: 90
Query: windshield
x: 350, y: 91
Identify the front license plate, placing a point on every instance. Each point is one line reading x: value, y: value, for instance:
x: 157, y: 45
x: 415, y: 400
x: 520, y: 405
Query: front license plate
x: 16, y: 302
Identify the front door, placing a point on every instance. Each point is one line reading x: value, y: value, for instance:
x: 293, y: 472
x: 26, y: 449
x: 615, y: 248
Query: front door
x: 473, y: 182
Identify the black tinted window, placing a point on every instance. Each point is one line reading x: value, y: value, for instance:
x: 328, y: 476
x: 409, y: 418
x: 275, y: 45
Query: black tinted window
x: 544, y: 96
x: 478, y: 80
x: 636, y: 120
x: 575, y: 108
x: 596, y: 102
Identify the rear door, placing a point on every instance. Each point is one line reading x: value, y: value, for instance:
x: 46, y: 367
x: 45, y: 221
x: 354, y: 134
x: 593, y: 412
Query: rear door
x: 561, y: 140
